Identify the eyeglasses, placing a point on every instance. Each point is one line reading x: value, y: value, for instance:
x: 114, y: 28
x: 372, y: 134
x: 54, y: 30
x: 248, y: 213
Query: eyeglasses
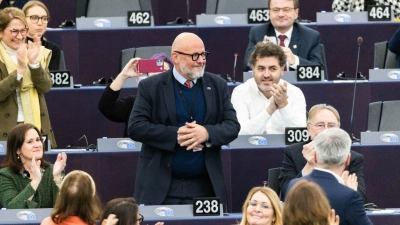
x: 35, y: 19
x: 321, y: 126
x: 23, y: 32
x: 264, y: 205
x: 195, y: 56
x: 141, y: 218
x: 284, y: 10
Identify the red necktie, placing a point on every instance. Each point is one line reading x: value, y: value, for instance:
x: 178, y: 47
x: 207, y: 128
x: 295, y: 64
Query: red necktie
x: 282, y: 38
x: 188, y: 83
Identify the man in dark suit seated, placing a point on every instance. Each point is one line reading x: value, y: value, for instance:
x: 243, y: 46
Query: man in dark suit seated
x: 299, y: 158
x: 182, y: 116
x: 332, y: 155
x: 300, y: 43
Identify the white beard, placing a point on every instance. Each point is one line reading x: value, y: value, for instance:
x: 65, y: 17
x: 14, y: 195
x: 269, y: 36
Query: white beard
x: 191, y: 74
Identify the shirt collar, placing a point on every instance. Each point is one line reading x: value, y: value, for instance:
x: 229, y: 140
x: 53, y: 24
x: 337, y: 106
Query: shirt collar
x: 180, y: 78
x: 288, y: 33
x: 338, y: 178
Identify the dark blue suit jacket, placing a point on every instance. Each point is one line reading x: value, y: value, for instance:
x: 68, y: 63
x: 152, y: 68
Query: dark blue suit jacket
x: 294, y: 162
x: 347, y: 203
x: 306, y: 41
x: 153, y: 122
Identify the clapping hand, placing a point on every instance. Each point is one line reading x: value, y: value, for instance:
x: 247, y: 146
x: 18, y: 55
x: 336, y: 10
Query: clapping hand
x: 35, y: 173
x: 332, y: 218
x: 59, y: 165
x: 350, y: 180
x: 111, y: 220
x: 279, y: 92
x: 33, y: 49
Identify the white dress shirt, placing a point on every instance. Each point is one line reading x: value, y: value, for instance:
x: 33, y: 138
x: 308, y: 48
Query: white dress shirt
x: 251, y: 110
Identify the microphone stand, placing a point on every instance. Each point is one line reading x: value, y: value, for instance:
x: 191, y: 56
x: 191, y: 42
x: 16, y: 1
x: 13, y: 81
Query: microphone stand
x: 234, y: 69
x: 188, y: 21
x: 353, y: 138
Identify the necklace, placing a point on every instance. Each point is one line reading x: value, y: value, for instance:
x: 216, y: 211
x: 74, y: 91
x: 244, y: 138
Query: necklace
x: 25, y: 174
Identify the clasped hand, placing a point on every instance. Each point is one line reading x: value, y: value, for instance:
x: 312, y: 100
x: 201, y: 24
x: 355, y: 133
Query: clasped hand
x: 279, y: 97
x: 192, y: 135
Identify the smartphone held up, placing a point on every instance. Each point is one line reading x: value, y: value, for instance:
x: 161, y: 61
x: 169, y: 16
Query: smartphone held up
x: 150, y: 66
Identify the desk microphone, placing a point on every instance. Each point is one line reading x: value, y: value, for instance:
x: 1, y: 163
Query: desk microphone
x: 354, y: 139
x: 234, y: 69
x: 83, y: 136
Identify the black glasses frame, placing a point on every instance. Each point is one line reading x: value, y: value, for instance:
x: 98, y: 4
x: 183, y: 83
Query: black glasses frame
x: 195, y: 56
x: 141, y: 218
x: 35, y: 19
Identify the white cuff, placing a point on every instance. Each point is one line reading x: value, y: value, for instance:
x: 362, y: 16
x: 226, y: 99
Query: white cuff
x: 34, y: 66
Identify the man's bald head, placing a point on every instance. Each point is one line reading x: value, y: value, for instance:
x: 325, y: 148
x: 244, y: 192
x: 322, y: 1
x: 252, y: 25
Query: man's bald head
x: 186, y: 41
x: 185, y: 48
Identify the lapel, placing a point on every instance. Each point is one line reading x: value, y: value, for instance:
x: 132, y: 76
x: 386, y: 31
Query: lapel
x: 270, y: 31
x: 169, y: 96
x: 208, y: 92
x: 295, y: 40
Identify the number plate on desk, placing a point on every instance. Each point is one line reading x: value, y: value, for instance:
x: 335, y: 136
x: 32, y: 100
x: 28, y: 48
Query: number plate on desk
x: 296, y: 135
x: 257, y: 15
x: 379, y: 13
x: 61, y: 79
x: 206, y: 206
x: 139, y: 18
x: 309, y: 73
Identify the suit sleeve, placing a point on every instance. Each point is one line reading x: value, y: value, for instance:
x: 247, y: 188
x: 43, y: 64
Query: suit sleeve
x: 314, y: 55
x: 141, y: 126
x: 8, y: 84
x: 227, y: 128
x: 355, y: 212
x: 288, y: 171
x: 356, y: 167
x: 41, y: 79
x: 114, y: 108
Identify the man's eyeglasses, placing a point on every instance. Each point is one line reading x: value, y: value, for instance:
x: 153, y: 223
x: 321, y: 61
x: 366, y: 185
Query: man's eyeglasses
x: 284, y: 10
x: 321, y: 126
x: 141, y: 218
x: 264, y: 205
x: 195, y: 56
x: 35, y: 19
x: 23, y: 32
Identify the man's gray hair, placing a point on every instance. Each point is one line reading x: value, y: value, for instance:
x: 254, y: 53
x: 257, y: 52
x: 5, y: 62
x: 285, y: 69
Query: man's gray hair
x: 332, y: 147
